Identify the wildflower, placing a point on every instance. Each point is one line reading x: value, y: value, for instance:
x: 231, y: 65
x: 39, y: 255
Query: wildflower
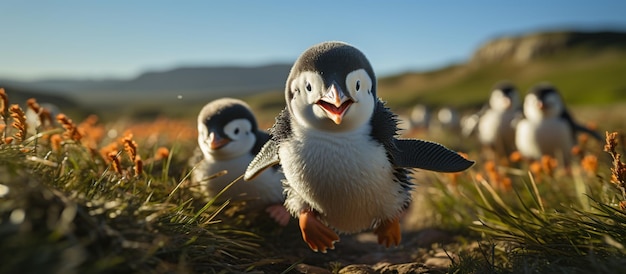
x: 548, y: 164
x: 619, y: 169
x: 162, y: 153
x: 110, y: 148
x: 92, y: 132
x: 515, y: 157
x: 55, y: 142
x: 589, y: 164
x: 19, y: 122
x: 4, y: 102
x: 115, y: 161
x: 130, y: 147
x: 138, y: 168
x: 70, y: 129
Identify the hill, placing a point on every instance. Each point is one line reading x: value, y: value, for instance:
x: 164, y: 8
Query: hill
x: 588, y: 68
x: 163, y: 86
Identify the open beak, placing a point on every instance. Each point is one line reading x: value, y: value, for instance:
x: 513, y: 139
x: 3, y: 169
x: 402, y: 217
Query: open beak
x: 216, y: 141
x: 507, y: 103
x: 541, y: 106
x: 335, y: 103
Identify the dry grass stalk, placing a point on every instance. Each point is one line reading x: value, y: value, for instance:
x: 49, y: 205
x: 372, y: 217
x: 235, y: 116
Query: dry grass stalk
x: 71, y: 132
x: 618, y: 170
x: 19, y: 122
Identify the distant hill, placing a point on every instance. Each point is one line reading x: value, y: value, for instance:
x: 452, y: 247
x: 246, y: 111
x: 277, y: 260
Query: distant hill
x: 158, y: 86
x: 587, y: 67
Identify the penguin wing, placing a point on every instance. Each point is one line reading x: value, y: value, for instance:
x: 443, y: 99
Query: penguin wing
x: 578, y: 127
x: 413, y: 153
x: 267, y: 157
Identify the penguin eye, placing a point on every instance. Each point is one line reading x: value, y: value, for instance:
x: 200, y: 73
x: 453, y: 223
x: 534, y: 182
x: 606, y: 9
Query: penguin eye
x: 358, y: 85
x: 308, y: 86
x: 236, y: 131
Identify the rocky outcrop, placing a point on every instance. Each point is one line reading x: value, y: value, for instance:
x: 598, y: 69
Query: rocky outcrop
x: 525, y: 48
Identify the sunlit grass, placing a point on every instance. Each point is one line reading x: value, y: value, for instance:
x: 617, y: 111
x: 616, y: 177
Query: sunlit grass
x: 85, y: 197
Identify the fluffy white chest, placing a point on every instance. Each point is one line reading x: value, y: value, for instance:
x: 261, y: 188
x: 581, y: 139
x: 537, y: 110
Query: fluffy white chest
x: 494, y: 125
x: 347, y: 178
x: 546, y: 137
x: 265, y: 189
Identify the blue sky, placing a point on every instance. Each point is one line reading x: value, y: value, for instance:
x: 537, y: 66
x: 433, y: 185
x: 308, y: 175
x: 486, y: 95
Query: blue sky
x: 120, y: 39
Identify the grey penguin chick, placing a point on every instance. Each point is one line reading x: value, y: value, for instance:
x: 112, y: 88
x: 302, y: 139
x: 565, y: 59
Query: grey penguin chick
x: 344, y: 168
x: 547, y: 127
x: 494, y: 123
x: 228, y: 139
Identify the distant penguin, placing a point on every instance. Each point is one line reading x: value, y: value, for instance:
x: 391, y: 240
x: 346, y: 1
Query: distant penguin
x: 420, y: 117
x: 345, y: 170
x: 547, y: 127
x: 228, y: 139
x: 494, y: 123
x: 448, y: 118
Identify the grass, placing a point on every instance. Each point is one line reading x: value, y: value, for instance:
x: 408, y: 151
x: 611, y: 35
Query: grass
x: 93, y: 198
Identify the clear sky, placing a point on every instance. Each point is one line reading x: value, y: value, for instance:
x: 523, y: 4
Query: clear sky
x: 122, y: 38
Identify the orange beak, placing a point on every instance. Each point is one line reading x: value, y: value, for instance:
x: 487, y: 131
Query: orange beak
x: 216, y: 141
x: 335, y: 103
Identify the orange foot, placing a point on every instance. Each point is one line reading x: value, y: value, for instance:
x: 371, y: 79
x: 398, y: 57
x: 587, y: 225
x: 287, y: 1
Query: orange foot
x: 279, y: 213
x: 317, y: 235
x: 389, y: 232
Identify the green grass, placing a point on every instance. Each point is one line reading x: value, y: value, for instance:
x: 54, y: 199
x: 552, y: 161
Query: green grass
x: 68, y: 210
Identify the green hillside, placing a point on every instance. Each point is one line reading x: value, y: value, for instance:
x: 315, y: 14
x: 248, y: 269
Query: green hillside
x: 588, y: 69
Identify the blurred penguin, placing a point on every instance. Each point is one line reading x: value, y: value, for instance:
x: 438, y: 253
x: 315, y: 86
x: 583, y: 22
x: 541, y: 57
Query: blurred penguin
x: 420, y: 117
x: 547, y: 127
x: 493, y: 124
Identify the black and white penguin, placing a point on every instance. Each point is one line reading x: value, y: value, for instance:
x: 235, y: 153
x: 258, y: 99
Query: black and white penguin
x: 345, y: 170
x: 547, y: 127
x: 228, y: 139
x: 494, y: 122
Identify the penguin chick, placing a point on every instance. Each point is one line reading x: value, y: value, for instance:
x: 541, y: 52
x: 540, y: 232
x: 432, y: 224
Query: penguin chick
x: 494, y: 126
x: 345, y: 170
x: 228, y: 139
x: 547, y: 127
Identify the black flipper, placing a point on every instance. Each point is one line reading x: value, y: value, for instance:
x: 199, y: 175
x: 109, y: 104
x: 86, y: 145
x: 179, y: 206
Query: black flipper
x: 413, y: 153
x: 267, y: 157
x: 593, y: 133
x: 577, y: 128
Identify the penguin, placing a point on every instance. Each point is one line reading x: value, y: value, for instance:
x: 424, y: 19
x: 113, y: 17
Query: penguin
x: 228, y: 139
x: 547, y: 127
x: 345, y: 170
x: 494, y: 122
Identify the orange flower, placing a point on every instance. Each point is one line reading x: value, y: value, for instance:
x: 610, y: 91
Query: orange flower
x: 19, y: 122
x: 138, y: 168
x: 130, y: 146
x: 548, y: 164
x: 4, y: 102
x: 115, y: 162
x: 515, y: 156
x: 70, y: 129
x: 162, y: 153
x: 589, y: 164
x: 55, y: 142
